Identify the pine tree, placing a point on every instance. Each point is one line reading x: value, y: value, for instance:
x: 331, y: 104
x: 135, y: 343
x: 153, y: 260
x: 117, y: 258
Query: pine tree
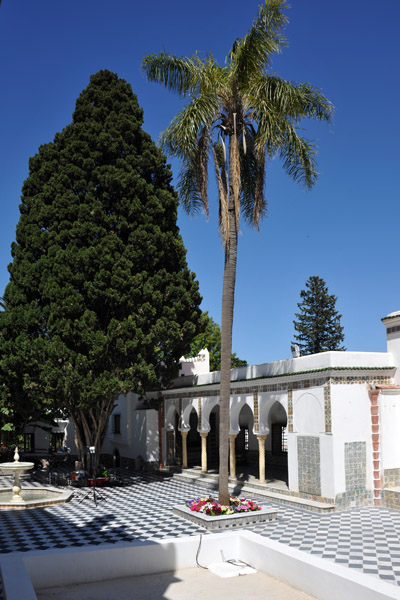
x: 100, y: 299
x: 318, y: 322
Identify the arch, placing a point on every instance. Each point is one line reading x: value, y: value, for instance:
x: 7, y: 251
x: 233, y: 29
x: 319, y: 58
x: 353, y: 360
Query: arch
x: 277, y: 414
x: 186, y: 414
x: 170, y: 417
x: 193, y: 442
x: 208, y: 406
x: 308, y: 414
x: 116, y: 458
x: 246, y: 445
x: 236, y: 407
x: 266, y: 402
x: 273, y: 421
x: 213, y: 436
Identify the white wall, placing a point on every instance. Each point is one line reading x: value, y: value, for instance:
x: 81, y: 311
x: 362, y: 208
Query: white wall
x: 322, y: 360
x: 351, y: 422
x: 139, y: 430
x: 197, y: 365
x: 389, y: 403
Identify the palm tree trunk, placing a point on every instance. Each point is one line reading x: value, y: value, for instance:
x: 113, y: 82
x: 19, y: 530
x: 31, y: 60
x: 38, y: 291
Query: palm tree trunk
x: 228, y: 300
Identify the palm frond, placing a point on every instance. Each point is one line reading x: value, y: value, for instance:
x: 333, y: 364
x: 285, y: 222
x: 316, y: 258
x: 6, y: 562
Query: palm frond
x: 298, y: 156
x: 294, y: 100
x: 188, y: 190
x: 214, y: 78
x: 178, y: 74
x: 252, y: 53
x: 252, y: 169
x: 180, y: 138
x: 193, y: 177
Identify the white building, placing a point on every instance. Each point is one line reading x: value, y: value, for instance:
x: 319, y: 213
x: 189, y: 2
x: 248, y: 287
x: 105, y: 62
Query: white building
x: 329, y: 422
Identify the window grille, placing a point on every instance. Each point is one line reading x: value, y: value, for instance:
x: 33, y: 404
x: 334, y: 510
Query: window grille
x: 116, y: 424
x: 56, y: 440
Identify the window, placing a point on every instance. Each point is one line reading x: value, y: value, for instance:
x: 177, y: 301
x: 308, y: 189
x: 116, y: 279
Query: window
x: 116, y: 424
x: 246, y: 438
x: 56, y: 440
x: 279, y: 439
x: 26, y: 442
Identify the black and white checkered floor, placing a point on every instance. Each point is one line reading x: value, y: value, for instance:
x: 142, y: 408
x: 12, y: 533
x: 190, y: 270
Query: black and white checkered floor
x: 365, y: 539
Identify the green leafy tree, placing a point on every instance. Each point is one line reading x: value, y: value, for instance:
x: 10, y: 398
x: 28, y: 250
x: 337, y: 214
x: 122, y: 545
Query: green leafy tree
x: 210, y: 338
x: 240, y: 115
x: 318, y: 322
x: 100, y: 299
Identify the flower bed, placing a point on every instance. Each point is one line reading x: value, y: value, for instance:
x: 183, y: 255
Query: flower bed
x: 211, y: 507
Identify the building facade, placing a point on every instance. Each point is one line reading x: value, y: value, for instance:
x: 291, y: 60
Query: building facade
x: 329, y: 423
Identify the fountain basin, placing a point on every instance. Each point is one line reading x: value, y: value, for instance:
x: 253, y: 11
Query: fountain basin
x: 34, y: 497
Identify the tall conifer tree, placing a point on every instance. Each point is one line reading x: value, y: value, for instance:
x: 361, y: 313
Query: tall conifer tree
x: 318, y: 322
x: 100, y: 299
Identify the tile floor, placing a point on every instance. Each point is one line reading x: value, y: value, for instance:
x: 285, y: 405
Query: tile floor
x: 365, y: 539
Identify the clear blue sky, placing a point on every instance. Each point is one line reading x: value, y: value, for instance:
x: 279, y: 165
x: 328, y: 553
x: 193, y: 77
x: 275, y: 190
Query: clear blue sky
x: 346, y: 230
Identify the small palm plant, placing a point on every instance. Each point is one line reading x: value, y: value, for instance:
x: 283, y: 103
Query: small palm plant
x: 241, y: 116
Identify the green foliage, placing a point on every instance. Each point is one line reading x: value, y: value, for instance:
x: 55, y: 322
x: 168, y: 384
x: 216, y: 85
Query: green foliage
x: 210, y: 338
x: 318, y: 322
x: 240, y: 115
x: 100, y: 299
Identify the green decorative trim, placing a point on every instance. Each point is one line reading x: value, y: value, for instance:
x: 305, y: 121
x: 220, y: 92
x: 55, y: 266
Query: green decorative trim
x: 176, y: 391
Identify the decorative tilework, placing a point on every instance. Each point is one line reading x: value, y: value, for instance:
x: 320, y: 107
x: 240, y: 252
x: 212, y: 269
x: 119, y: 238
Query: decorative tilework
x: 355, y: 465
x: 290, y: 411
x: 180, y: 414
x: 170, y: 443
x: 362, y: 379
x: 200, y: 420
x: 283, y: 386
x: 391, y: 498
x: 309, y: 464
x: 255, y: 412
x: 327, y: 405
x: 391, y: 478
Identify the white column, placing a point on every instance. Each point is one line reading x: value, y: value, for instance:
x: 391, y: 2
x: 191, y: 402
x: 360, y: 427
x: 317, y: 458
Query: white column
x: 232, y: 455
x: 261, y: 457
x: 184, y: 449
x: 204, y: 452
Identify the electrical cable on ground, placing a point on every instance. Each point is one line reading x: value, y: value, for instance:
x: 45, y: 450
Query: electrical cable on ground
x: 197, y: 555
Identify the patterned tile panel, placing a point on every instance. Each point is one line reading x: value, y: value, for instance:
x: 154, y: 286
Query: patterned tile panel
x: 256, y: 414
x: 309, y: 464
x: 355, y: 466
x: 327, y: 406
x: 391, y: 478
x: 290, y: 411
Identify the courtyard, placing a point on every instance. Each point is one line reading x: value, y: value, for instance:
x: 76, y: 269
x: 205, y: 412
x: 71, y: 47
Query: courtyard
x: 364, y: 539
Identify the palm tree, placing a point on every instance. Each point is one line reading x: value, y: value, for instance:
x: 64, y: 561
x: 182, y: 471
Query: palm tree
x: 240, y: 115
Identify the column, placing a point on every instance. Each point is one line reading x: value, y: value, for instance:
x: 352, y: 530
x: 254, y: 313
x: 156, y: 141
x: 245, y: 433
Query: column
x: 374, y: 397
x: 261, y: 457
x: 203, y: 452
x: 184, y: 449
x: 232, y: 455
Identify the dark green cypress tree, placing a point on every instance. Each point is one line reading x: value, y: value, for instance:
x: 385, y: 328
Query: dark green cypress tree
x: 100, y: 299
x: 318, y: 322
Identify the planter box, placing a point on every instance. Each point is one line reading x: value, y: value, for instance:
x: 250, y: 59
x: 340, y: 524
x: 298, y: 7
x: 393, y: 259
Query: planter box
x: 221, y: 522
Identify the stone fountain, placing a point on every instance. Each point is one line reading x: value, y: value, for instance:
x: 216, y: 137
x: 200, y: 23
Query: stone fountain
x: 16, y: 468
x: 16, y: 497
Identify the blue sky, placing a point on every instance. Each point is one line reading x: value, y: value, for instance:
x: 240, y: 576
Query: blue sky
x: 346, y: 230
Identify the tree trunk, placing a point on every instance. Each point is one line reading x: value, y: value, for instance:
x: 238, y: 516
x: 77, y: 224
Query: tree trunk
x: 228, y: 300
x: 90, y: 431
